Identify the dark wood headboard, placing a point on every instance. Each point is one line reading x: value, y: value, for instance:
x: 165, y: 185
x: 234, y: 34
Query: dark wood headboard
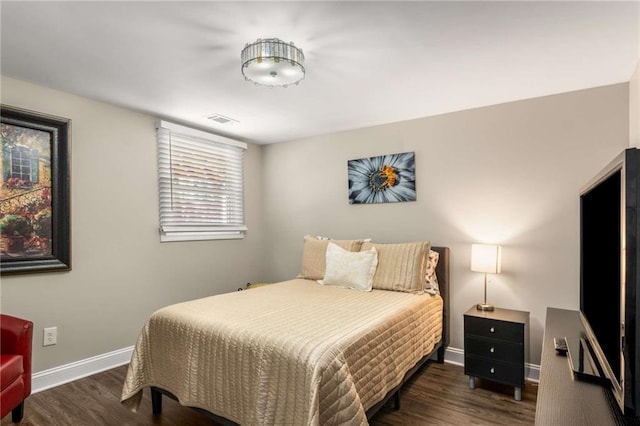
x: 442, y: 272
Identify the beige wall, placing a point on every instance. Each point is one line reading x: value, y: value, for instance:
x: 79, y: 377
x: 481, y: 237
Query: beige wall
x: 509, y: 174
x: 634, y: 108
x: 121, y: 272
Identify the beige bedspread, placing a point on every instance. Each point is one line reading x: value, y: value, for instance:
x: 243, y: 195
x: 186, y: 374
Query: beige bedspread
x: 293, y: 353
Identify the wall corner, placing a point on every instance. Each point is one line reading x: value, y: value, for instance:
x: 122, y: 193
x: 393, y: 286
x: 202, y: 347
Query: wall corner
x: 634, y: 108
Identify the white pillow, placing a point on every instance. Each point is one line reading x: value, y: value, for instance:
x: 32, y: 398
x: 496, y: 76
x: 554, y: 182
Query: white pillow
x: 350, y: 269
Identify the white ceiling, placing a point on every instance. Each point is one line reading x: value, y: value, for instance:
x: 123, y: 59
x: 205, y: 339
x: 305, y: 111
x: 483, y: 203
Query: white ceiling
x: 367, y: 63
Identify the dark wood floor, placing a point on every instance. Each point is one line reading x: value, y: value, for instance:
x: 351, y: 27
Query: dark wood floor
x: 438, y: 395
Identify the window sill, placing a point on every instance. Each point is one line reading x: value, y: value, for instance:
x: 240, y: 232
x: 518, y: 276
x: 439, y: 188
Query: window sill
x: 200, y: 236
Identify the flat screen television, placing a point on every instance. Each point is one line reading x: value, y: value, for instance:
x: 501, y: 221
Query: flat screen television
x: 609, y: 281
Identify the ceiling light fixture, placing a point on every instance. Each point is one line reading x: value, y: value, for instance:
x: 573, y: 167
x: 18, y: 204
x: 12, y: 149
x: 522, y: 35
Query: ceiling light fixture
x: 272, y: 62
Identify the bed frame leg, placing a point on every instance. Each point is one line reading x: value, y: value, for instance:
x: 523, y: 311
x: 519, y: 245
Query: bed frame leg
x: 440, y: 357
x: 396, y: 400
x: 156, y: 401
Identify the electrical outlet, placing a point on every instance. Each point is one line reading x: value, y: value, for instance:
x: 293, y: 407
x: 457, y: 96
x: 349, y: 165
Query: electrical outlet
x: 50, y: 336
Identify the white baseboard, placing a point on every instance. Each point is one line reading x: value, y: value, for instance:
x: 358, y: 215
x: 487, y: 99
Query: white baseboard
x: 456, y: 356
x: 57, y: 376
x: 47, y: 379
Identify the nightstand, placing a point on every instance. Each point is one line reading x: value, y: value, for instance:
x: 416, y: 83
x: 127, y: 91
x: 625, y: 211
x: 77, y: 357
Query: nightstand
x: 495, y: 346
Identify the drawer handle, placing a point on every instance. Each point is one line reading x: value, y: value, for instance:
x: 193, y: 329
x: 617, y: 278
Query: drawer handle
x: 492, y: 370
x: 493, y: 329
x: 492, y: 350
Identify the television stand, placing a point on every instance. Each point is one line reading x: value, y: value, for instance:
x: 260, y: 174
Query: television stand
x: 562, y: 399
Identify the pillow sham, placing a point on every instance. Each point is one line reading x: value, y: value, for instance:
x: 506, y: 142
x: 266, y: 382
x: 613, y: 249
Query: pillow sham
x: 314, y: 253
x: 350, y: 269
x: 401, y: 267
x: 431, y: 283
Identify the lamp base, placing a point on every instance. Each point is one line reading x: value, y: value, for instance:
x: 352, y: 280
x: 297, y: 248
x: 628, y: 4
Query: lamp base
x: 484, y: 307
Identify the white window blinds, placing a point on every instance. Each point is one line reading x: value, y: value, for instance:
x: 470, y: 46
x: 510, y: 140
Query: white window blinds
x: 201, y: 182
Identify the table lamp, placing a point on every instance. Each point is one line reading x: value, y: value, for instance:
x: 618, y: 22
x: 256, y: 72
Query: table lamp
x: 485, y: 258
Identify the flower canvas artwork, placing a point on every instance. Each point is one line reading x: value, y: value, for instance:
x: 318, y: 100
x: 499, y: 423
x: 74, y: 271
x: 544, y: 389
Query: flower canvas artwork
x: 383, y: 179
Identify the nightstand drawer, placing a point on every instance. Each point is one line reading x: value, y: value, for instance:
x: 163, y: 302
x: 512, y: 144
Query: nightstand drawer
x: 494, y: 329
x: 510, y: 374
x: 494, y: 349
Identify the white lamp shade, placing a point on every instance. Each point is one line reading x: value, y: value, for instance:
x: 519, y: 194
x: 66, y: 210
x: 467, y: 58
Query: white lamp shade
x: 486, y: 258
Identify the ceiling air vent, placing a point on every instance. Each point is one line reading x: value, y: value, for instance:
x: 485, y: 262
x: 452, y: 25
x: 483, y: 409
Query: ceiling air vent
x: 221, y: 119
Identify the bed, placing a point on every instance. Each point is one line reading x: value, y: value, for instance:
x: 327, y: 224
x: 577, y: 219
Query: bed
x: 294, y: 352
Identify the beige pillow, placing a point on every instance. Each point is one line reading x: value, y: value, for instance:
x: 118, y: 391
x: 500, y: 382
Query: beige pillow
x: 401, y: 267
x: 314, y: 252
x: 350, y: 269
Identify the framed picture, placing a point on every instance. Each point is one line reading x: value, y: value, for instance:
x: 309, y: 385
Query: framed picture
x: 34, y: 192
x: 382, y: 179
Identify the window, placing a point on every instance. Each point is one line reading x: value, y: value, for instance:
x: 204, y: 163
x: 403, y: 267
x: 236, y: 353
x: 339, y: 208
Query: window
x: 21, y: 164
x: 201, y: 180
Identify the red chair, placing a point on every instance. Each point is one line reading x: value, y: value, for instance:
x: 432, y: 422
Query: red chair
x: 15, y: 365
